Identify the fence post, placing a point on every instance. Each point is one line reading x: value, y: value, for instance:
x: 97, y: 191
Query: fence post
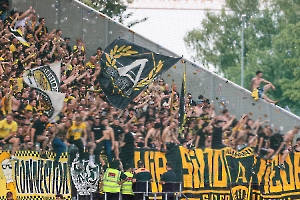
x: 147, y: 188
x: 180, y: 188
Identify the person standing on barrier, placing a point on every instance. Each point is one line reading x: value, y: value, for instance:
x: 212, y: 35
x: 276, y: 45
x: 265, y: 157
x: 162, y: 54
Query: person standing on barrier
x: 38, y: 133
x: 97, y: 131
x: 142, y: 179
x: 112, y: 181
x: 58, y: 137
x: 77, y: 135
x: 168, y: 180
x: 127, y: 193
x: 286, y: 146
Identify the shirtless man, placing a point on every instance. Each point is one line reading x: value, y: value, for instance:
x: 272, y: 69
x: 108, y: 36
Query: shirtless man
x: 241, y: 138
x: 58, y: 137
x: 109, y: 138
x: 255, y: 83
x: 168, y: 138
x: 90, y: 143
x: 198, y: 108
x: 152, y: 139
x: 286, y: 146
x: 16, y: 102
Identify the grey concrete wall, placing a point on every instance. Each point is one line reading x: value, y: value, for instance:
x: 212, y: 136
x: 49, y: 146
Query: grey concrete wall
x: 78, y: 21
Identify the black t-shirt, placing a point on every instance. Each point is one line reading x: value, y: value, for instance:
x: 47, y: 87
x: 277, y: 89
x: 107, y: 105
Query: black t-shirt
x: 217, y: 140
x: 39, y: 127
x: 129, y: 143
x: 118, y: 130
x: 142, y: 175
x: 266, y: 138
x: 275, y: 141
x: 98, y: 131
x: 169, y: 178
x: 203, y: 137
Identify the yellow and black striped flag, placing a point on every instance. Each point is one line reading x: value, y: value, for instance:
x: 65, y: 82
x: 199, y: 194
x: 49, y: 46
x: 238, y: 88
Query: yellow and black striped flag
x: 17, y: 35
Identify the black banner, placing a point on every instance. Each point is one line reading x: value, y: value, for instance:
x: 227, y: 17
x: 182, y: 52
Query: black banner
x: 126, y: 69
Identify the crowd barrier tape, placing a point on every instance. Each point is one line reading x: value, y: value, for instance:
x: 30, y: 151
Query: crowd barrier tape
x: 205, y: 174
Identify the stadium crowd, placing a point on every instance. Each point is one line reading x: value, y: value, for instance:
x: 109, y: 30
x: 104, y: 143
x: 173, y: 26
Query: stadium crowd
x: 89, y: 122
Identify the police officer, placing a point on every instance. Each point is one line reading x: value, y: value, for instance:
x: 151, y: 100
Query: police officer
x: 142, y: 179
x: 127, y: 193
x: 168, y: 180
x: 112, y: 180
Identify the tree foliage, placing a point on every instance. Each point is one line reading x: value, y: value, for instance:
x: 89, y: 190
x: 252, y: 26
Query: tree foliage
x: 271, y: 41
x: 114, y: 9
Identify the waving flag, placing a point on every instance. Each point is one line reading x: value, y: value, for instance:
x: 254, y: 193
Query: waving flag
x: 127, y: 69
x: 17, y: 35
x: 46, y: 81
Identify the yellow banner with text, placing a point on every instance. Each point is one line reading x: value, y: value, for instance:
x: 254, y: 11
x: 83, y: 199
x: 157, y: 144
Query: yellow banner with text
x: 30, y: 176
x: 225, y: 174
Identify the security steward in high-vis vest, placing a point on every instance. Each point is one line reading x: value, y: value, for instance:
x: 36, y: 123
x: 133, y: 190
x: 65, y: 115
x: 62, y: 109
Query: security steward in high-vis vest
x: 141, y: 177
x: 112, y: 181
x: 127, y: 193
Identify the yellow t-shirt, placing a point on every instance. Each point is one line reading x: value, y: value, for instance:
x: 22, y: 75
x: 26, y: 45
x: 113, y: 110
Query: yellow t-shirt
x: 12, y: 48
x: 76, y: 131
x: 6, y: 129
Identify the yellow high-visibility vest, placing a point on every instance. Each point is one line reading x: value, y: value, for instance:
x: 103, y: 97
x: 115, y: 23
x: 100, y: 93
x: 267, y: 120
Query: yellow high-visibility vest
x: 127, y: 185
x: 111, y: 181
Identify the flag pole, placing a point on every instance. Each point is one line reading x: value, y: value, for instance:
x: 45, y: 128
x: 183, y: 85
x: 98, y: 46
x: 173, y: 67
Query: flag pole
x: 172, y: 100
x: 182, y: 117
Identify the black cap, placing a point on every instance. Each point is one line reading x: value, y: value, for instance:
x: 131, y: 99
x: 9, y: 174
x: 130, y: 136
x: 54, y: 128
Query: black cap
x: 67, y: 38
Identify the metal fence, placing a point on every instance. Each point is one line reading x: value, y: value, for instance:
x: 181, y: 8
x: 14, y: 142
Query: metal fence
x: 76, y: 20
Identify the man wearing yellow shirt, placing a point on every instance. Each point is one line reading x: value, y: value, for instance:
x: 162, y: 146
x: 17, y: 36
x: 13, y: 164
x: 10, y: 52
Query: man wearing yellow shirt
x: 77, y: 135
x: 8, y: 129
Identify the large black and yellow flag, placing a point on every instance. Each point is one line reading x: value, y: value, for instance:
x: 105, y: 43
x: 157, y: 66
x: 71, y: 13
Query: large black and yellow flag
x: 126, y: 69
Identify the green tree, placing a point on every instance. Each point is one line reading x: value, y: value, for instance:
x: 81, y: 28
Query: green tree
x: 114, y: 9
x: 270, y: 39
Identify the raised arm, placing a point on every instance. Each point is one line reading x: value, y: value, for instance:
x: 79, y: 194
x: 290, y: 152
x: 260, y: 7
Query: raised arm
x: 227, y: 125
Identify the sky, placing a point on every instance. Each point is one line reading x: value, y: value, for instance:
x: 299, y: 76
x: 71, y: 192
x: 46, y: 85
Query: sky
x: 167, y: 27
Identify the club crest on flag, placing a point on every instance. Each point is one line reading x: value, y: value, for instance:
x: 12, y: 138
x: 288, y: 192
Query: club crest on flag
x: 126, y: 69
x: 43, y: 78
x: 46, y: 81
